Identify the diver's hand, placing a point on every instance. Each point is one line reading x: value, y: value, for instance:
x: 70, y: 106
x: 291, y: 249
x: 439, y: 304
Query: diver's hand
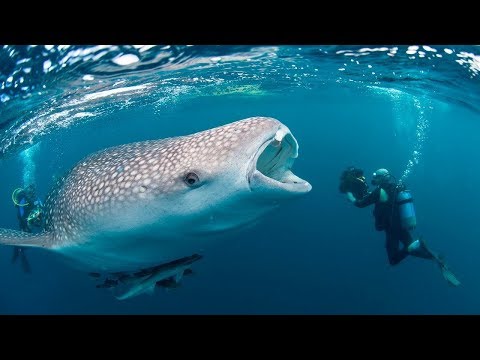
x: 350, y: 197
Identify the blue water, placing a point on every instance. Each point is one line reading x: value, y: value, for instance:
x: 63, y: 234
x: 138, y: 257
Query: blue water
x: 409, y: 110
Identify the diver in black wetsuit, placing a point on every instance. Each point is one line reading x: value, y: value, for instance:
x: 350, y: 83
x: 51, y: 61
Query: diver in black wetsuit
x: 397, y: 223
x: 29, y: 214
x: 29, y: 208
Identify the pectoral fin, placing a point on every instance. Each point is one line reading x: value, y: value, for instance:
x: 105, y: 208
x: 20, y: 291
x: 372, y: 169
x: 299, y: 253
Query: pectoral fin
x: 21, y: 238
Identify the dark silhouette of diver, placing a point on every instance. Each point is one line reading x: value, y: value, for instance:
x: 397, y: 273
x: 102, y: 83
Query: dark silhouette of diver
x: 394, y: 213
x: 29, y: 214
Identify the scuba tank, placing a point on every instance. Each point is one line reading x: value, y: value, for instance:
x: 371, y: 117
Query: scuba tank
x: 406, y: 210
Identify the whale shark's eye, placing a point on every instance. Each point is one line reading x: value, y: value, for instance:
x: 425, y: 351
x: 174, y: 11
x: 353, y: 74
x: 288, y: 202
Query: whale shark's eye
x: 191, y: 179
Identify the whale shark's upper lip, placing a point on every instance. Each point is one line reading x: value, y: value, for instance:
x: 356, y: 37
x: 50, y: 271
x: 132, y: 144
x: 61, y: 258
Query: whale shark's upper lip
x: 270, y: 167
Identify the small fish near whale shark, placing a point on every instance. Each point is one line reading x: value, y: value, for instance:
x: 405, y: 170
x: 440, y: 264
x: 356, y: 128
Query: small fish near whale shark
x: 124, y: 210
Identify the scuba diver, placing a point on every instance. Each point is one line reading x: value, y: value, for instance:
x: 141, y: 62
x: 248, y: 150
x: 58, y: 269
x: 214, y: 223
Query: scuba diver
x: 394, y: 213
x: 29, y: 214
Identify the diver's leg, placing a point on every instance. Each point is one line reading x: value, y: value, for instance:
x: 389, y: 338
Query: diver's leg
x: 16, y: 253
x: 421, y: 250
x: 392, y: 244
x: 19, y: 252
x: 25, y: 263
x: 24, y: 226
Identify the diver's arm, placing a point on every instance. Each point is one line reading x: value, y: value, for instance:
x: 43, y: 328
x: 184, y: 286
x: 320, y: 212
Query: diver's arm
x: 369, y: 199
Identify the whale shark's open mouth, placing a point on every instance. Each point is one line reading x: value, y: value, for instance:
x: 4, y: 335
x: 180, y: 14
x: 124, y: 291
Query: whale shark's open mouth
x: 271, y: 165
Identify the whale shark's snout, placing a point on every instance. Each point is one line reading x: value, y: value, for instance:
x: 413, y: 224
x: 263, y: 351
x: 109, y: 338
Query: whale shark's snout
x: 269, y: 170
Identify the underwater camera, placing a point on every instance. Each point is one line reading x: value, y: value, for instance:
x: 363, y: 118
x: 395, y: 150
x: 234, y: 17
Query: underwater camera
x: 352, y: 180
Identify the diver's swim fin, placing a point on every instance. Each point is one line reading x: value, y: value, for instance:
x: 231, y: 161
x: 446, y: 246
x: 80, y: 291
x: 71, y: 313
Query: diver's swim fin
x: 447, y: 274
x: 450, y: 277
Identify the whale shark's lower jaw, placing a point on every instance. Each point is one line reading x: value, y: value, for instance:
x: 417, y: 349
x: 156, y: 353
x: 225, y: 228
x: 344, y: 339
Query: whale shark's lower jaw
x: 270, y: 169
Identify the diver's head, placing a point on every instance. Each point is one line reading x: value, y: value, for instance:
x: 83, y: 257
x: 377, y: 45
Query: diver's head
x: 380, y: 177
x: 30, y: 191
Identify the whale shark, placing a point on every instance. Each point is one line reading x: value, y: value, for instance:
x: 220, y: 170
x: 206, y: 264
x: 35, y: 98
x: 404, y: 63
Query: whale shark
x: 143, y: 204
